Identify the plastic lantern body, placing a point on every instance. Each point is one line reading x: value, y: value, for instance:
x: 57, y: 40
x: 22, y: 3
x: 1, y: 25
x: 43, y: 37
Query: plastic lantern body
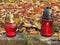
x: 10, y: 29
x: 46, y: 27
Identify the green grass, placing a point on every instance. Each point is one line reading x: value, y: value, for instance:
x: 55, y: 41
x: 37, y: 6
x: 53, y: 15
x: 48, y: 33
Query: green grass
x: 30, y: 40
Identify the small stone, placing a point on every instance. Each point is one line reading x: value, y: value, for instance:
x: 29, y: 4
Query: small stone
x: 49, y: 42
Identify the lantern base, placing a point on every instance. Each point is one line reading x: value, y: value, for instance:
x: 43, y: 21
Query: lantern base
x: 46, y: 35
x: 11, y: 34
